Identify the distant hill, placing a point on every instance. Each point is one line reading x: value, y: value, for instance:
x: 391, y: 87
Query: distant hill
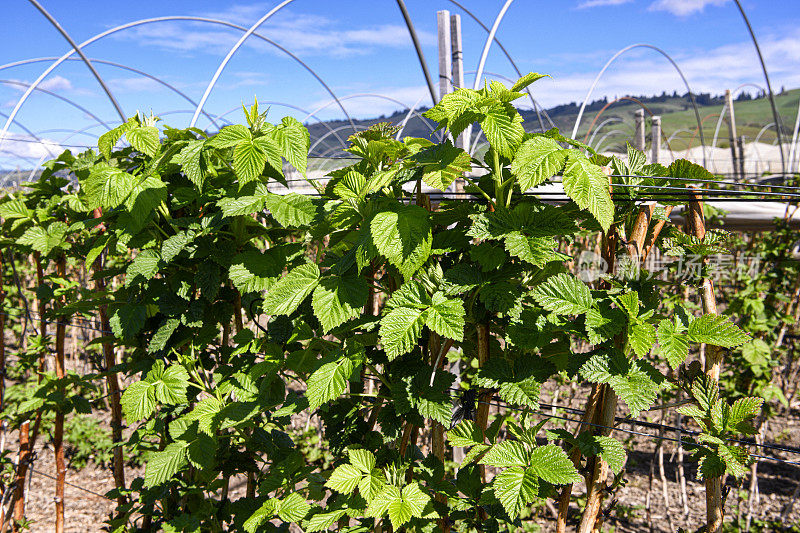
x: 677, y: 115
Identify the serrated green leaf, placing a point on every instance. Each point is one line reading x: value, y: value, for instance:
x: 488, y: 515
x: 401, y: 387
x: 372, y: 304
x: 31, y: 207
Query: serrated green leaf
x: 323, y: 521
x: 673, y: 344
x: 502, y: 125
x: 588, y: 186
x: 506, y: 454
x: 551, y: 464
x: 337, y: 299
x: 144, y: 265
x: 144, y: 139
x: 291, y: 210
x: 161, y: 466
x: 563, y: 294
x: 293, y: 140
x: 230, y: 136
x: 190, y: 160
x: 446, y: 317
x: 293, y: 508
x: 329, y: 381
x: 442, y: 164
x: 400, y: 330
x: 288, y: 293
x: 403, y: 236
x: 138, y: 401
x: 717, y: 330
x: 537, y: 160
x: 465, y: 434
x: 535, y: 250
x: 248, y: 161
x: 526, y: 80
x: 515, y: 488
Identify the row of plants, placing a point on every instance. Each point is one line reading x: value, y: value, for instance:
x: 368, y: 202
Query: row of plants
x: 231, y: 313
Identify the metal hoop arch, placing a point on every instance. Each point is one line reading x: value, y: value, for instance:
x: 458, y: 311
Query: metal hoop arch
x: 674, y: 64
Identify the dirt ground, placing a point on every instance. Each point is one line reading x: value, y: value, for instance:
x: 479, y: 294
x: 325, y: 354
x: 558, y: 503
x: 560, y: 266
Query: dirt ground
x: 86, y: 508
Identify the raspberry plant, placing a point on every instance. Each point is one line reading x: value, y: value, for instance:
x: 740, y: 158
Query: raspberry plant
x: 240, y: 310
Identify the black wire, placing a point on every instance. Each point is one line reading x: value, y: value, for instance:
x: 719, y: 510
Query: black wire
x: 38, y: 472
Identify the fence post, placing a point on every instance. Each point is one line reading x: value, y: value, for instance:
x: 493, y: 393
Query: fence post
x: 445, y: 53
x: 740, y: 148
x: 655, y: 139
x: 732, y: 133
x: 638, y: 136
x: 457, y: 82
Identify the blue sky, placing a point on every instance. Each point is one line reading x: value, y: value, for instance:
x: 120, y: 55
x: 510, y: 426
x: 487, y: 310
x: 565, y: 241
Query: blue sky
x: 360, y: 46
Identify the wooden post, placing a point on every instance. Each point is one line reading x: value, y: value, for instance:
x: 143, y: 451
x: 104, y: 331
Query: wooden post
x: 457, y: 82
x: 713, y: 362
x: 639, y: 134
x: 655, y: 139
x: 732, y: 133
x: 740, y: 149
x: 445, y: 53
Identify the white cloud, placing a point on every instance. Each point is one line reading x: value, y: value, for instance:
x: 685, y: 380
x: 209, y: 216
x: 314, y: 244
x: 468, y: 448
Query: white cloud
x: 683, y: 8
x: 301, y: 34
x: 26, y: 146
x: 56, y: 84
x: 713, y: 70
x: 601, y: 3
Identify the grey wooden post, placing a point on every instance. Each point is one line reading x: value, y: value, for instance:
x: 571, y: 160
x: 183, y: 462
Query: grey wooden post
x: 655, y: 139
x: 445, y: 53
x: 732, y: 133
x: 638, y: 136
x: 740, y: 149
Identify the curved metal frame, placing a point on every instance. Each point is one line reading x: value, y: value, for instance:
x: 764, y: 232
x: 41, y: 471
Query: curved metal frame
x: 420, y: 55
x: 112, y: 64
x: 775, y: 115
x: 604, y: 137
x: 488, y: 44
x: 230, y: 55
x: 32, y: 134
x: 677, y: 68
x: 133, y: 25
x: 54, y: 95
x: 610, y: 120
x: 85, y: 59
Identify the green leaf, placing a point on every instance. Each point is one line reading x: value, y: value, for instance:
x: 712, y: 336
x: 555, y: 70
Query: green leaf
x: 161, y: 466
x: 446, y: 317
x: 717, y: 330
x: 323, y: 521
x: 505, y: 454
x: 364, y: 460
x: 248, y: 161
x: 267, y: 510
x: 160, y: 338
x: 109, y: 139
x: 442, y: 164
x: 563, y: 294
x: 144, y: 265
x: 403, y: 236
x: 44, y: 240
x: 293, y: 140
x: 128, y: 320
x: 337, y: 299
x: 744, y: 409
x: 642, y: 336
x: 465, y: 434
x: 190, y: 160
x: 515, y: 488
x: 138, y: 401
x: 329, y: 381
x: 400, y: 330
x: 526, y: 80
x: 288, y: 293
x: 502, y: 125
x: 144, y: 139
x: 230, y: 136
x: 535, y: 250
x: 292, y: 210
x: 144, y: 197
x: 608, y: 448
x: 673, y: 344
x: 293, y: 508
x: 537, y: 160
x: 107, y: 186
x: 551, y: 464
x: 586, y: 184
x: 171, y: 386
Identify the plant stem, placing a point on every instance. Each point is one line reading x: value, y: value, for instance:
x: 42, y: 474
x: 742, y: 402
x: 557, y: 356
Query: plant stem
x: 58, y: 432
